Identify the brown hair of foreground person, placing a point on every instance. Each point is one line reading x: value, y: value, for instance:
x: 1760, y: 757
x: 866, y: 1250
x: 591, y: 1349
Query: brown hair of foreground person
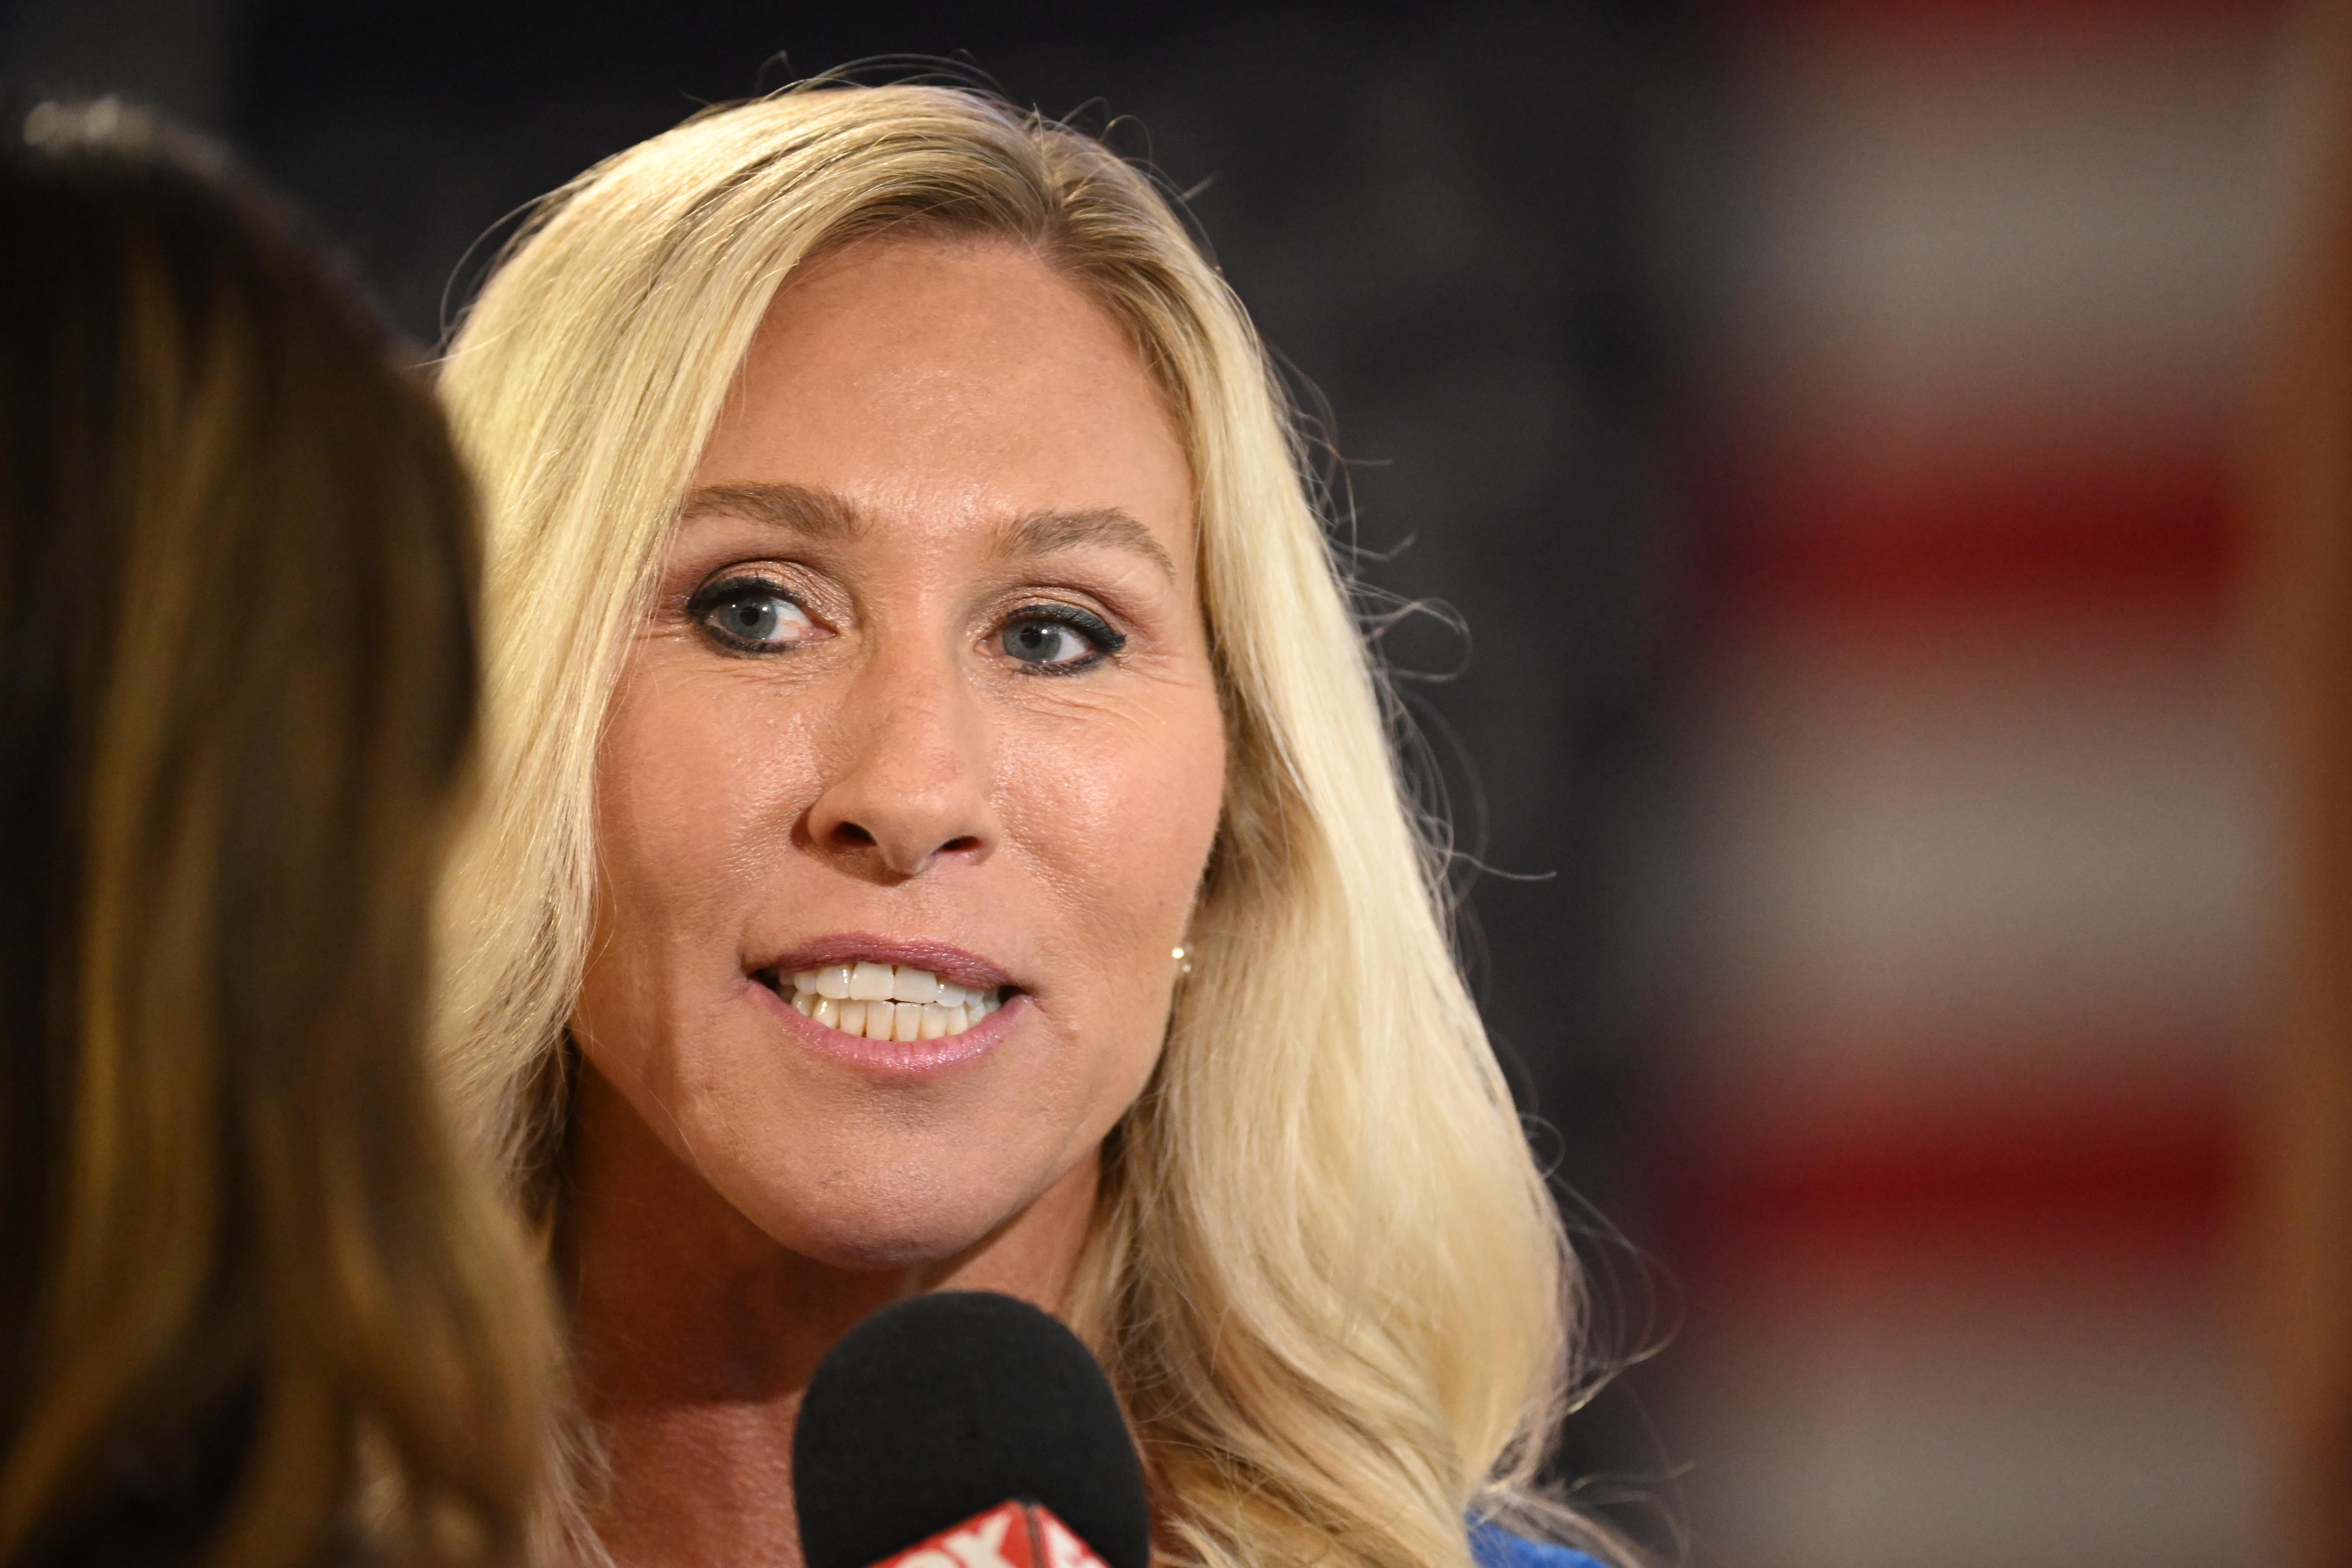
x: 256, y: 1309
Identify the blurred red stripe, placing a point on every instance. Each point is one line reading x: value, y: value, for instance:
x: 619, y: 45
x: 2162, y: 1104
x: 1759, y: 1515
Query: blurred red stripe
x: 2082, y: 1172
x: 2158, y: 537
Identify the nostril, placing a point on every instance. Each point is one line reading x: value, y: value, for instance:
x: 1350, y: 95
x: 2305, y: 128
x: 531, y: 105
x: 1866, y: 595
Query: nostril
x: 850, y: 832
x: 956, y: 845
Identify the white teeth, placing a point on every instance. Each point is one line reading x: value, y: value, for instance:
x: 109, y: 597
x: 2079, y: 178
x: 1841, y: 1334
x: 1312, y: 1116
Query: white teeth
x: 889, y: 1002
x: 885, y: 1002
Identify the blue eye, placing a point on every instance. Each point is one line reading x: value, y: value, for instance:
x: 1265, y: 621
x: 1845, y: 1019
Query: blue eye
x: 750, y: 616
x: 1061, y: 641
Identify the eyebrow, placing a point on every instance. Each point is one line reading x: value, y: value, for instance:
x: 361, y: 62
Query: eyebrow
x: 1043, y: 532
x: 818, y: 513
x: 808, y: 510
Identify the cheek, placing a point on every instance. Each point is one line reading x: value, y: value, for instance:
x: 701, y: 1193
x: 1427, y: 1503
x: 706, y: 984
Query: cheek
x: 696, y: 797
x: 697, y: 788
x: 1121, y: 815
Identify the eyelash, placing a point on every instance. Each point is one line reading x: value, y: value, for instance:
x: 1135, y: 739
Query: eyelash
x: 711, y: 598
x: 1107, y: 640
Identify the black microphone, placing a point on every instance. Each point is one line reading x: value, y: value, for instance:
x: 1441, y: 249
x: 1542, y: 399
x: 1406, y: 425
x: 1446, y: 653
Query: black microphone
x: 964, y: 1430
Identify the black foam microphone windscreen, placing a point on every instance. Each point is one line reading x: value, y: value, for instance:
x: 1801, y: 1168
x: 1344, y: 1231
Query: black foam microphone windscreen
x: 939, y: 1407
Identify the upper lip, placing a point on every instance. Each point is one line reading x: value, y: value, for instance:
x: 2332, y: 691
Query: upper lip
x: 950, y: 962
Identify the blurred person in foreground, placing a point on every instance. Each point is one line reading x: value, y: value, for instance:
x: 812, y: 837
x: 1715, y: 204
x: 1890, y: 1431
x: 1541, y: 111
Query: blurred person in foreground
x: 256, y: 1307
x: 943, y: 833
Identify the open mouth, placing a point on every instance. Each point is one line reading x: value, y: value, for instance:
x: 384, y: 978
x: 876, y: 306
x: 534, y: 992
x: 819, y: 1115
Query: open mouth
x: 884, y: 1001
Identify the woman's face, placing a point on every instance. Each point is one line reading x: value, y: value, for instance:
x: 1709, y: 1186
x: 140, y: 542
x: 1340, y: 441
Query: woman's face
x: 924, y: 714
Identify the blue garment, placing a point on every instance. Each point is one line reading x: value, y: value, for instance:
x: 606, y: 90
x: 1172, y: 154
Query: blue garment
x: 1492, y: 1546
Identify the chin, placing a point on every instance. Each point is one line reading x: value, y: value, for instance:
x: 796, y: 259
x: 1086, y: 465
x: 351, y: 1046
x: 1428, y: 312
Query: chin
x: 868, y: 1221
x: 886, y: 1254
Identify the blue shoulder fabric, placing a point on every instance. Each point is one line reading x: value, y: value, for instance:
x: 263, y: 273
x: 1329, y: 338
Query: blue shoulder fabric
x: 1492, y: 1546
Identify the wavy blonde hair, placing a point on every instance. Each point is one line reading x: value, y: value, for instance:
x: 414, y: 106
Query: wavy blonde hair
x: 1325, y: 1277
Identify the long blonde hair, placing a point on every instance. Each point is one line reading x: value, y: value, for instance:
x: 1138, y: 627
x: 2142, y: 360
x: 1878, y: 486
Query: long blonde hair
x: 1326, y: 1276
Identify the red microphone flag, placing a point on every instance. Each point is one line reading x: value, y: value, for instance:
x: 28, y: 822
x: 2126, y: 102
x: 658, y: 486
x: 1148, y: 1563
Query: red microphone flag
x: 1010, y: 1535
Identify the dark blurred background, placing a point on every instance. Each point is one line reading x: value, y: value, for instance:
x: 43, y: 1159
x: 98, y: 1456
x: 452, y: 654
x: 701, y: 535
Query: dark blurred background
x: 1806, y: 431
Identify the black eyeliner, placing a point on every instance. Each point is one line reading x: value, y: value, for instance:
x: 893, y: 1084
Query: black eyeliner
x: 1106, y: 638
x: 711, y: 595
x: 703, y: 600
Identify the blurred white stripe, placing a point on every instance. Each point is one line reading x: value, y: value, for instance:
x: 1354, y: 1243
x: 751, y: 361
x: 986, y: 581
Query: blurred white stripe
x: 2009, y: 837
x: 1998, y: 242
x: 1974, y: 1421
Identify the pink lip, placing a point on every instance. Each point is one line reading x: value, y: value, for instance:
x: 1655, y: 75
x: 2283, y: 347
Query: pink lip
x: 896, y: 1058
x: 966, y: 969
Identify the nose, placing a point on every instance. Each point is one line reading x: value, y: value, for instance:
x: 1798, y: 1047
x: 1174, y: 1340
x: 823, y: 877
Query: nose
x: 909, y: 787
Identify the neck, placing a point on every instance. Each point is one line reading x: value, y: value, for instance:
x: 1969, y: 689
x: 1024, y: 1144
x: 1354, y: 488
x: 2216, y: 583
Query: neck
x: 694, y: 1334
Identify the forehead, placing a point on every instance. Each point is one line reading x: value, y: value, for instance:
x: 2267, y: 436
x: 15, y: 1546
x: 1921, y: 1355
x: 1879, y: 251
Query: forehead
x: 939, y: 384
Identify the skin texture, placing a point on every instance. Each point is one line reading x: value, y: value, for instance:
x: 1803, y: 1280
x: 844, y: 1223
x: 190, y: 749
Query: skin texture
x: 967, y: 438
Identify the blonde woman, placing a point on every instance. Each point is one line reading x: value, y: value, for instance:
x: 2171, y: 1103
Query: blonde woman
x: 945, y: 834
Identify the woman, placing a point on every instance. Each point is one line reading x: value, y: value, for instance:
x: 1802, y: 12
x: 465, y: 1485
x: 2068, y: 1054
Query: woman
x: 944, y: 834
x: 255, y: 1311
